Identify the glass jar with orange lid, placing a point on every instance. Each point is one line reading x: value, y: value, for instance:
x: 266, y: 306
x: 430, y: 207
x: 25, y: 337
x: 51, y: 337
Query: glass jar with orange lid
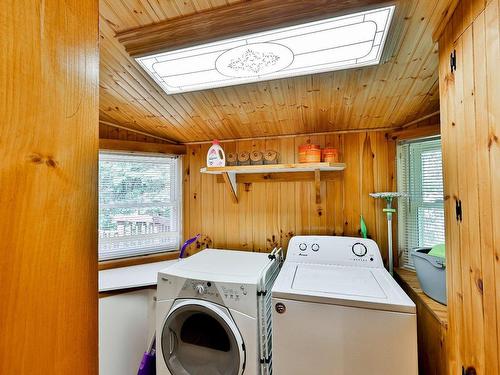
x: 330, y: 155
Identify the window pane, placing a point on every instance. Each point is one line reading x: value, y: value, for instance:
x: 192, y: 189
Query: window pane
x: 138, y: 204
x: 421, y: 214
x: 431, y: 226
x: 432, y: 176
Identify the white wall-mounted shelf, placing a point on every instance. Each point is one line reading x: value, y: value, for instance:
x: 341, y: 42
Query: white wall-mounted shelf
x: 229, y: 173
x: 276, y: 168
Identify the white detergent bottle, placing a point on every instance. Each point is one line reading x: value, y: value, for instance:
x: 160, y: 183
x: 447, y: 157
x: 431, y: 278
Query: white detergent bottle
x: 215, y: 155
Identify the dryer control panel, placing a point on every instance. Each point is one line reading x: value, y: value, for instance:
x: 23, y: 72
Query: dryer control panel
x: 199, y: 288
x: 241, y: 297
x: 213, y: 291
x: 346, y: 251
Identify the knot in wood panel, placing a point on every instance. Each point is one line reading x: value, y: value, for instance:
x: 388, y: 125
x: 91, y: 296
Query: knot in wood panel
x: 36, y: 158
x: 479, y: 283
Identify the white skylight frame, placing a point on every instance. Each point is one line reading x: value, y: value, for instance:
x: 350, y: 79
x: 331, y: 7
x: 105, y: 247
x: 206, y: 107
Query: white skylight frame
x: 344, y: 42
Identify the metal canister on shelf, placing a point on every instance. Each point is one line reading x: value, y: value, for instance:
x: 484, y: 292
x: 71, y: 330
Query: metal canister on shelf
x: 231, y: 158
x: 256, y: 158
x: 271, y: 157
x: 244, y: 158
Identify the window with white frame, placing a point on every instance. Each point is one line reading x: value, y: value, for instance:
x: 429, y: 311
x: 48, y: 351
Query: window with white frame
x: 421, y: 212
x: 139, y: 204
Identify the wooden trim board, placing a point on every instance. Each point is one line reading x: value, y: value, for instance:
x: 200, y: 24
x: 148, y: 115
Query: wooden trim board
x: 415, y: 132
x: 136, y: 146
x: 118, y: 126
x: 135, y: 261
x: 234, y: 20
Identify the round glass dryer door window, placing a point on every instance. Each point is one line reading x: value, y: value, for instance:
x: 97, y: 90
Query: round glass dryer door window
x: 201, y: 338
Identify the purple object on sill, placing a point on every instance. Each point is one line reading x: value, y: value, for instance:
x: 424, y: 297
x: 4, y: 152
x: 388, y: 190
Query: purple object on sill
x: 186, y: 244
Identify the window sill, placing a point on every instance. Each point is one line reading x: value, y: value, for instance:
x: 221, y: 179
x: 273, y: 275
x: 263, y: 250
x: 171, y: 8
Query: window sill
x: 113, y: 281
x: 135, y: 261
x: 409, y: 282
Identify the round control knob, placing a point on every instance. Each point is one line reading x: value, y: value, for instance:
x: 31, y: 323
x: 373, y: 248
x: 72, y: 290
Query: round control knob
x: 314, y: 247
x: 200, y: 289
x: 280, y: 308
x: 302, y: 247
x: 359, y: 249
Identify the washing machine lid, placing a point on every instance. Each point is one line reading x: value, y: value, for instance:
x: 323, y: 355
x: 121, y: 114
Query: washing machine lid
x: 361, y: 287
x: 230, y: 266
x: 358, y: 283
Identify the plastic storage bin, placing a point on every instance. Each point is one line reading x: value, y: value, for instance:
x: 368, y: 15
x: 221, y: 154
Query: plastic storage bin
x: 431, y: 273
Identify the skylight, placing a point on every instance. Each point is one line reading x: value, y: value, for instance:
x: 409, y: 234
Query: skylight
x: 331, y: 44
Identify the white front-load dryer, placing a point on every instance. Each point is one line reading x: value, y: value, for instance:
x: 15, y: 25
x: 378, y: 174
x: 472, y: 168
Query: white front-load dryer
x: 200, y: 337
x: 214, y: 314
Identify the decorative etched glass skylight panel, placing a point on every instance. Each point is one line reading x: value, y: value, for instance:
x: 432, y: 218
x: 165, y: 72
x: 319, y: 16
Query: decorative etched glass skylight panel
x: 336, y: 43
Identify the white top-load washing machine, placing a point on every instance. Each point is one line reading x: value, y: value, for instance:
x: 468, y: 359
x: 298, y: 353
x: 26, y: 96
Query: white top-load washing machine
x: 214, y: 314
x: 337, y: 311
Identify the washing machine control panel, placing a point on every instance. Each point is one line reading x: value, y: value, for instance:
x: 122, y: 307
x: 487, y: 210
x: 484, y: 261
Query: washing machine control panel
x: 359, y: 249
x: 335, y: 250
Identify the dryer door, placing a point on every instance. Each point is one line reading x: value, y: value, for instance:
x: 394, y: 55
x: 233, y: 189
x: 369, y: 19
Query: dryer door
x: 201, y: 338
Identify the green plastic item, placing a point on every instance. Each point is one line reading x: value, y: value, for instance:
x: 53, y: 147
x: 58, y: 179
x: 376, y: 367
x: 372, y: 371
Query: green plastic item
x: 364, y: 230
x: 438, y: 251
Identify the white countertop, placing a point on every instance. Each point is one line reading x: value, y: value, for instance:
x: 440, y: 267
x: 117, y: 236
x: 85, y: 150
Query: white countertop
x: 131, y: 277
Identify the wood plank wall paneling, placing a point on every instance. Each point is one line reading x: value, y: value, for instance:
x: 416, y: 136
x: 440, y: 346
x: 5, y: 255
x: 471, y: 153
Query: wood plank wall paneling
x: 471, y: 157
x: 269, y: 213
x: 49, y: 70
